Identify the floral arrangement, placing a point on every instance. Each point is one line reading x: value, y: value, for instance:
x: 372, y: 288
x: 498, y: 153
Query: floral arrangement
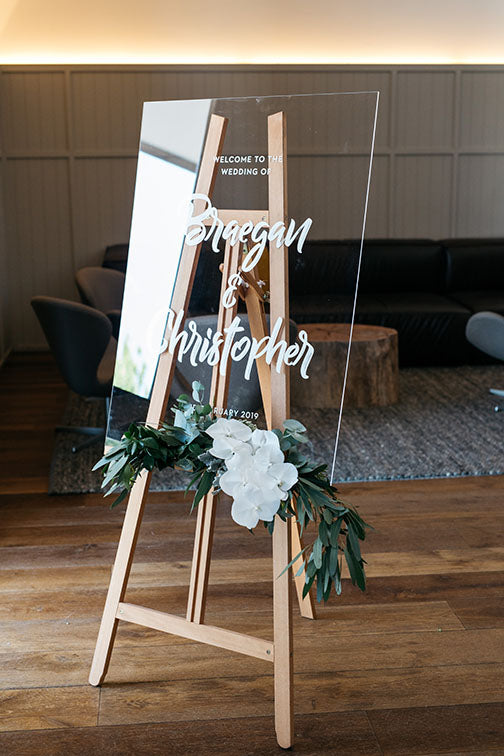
x: 264, y: 472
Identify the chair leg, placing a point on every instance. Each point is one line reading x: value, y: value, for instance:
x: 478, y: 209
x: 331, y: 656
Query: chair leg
x: 497, y: 392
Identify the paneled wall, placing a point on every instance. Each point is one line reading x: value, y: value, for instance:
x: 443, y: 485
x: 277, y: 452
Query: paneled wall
x: 5, y: 336
x: 69, y: 138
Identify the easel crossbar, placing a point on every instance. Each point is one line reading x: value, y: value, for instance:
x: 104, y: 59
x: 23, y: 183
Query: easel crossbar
x: 213, y: 636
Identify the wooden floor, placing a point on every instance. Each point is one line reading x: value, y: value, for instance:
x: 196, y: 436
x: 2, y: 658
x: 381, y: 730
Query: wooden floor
x: 414, y: 666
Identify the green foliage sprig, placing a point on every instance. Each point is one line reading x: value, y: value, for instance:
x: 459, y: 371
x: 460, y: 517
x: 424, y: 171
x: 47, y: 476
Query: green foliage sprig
x: 185, y: 445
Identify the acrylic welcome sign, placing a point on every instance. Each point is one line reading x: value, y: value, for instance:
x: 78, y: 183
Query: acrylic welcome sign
x: 327, y: 164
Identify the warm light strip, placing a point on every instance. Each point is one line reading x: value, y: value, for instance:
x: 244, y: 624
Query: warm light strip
x: 118, y: 59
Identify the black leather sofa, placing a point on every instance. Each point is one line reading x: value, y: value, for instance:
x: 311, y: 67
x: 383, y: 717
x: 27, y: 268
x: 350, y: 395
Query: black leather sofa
x: 427, y: 290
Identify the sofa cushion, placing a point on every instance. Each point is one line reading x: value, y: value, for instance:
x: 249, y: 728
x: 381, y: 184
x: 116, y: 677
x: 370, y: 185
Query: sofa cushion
x: 323, y: 266
x: 329, y: 308
x: 402, y: 265
x: 474, y: 264
x: 477, y: 301
x: 431, y: 327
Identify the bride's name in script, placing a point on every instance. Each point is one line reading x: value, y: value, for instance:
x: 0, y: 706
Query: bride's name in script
x: 215, y: 347
x: 258, y: 234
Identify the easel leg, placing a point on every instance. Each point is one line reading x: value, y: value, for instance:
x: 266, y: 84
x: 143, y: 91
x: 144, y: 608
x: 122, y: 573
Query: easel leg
x: 282, y: 624
x: 200, y: 568
x: 203, y: 539
x: 119, y: 578
x: 258, y: 329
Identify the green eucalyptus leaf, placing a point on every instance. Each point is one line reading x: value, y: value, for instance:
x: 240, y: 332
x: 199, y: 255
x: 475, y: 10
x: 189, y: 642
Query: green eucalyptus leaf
x: 119, y: 499
x: 317, y: 553
x: 203, y: 488
x: 293, y: 561
x: 333, y: 560
x: 198, y: 391
x: 180, y: 419
x: 311, y: 568
x: 335, y: 532
x: 293, y: 425
x: 354, y: 541
x: 308, y: 584
x: 324, y: 533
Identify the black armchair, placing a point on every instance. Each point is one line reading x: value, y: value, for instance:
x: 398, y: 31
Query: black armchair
x: 81, y: 341
x: 485, y: 331
x: 103, y: 289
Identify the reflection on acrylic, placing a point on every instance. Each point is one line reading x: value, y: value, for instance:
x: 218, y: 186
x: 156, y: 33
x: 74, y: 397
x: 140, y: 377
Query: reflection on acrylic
x: 166, y: 173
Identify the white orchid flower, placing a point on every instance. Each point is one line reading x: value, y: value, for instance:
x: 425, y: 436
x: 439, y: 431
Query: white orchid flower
x: 263, y: 437
x: 243, y: 457
x: 253, y: 503
x: 240, y: 469
x: 257, y: 478
x: 260, y: 459
x: 268, y: 455
x: 255, y: 495
x: 285, y: 476
x: 229, y: 436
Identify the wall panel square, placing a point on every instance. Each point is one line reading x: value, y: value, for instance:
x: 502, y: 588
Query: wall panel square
x: 343, y: 179
x: 39, y: 248
x: 482, y: 111
x: 424, y: 110
x: 102, y: 206
x: 422, y: 196
x: 480, y: 196
x: 107, y: 106
x: 33, y: 112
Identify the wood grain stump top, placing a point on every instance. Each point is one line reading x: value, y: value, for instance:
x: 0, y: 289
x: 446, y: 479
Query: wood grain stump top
x: 373, y: 373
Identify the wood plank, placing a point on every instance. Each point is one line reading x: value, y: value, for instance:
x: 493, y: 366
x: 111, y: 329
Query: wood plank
x: 74, y: 631
x: 142, y: 661
x: 314, y: 735
x: 438, y: 561
x: 154, y: 550
x: 442, y: 586
x: 434, y: 729
x: 253, y: 597
x: 421, y: 497
x: 425, y: 537
x: 478, y: 612
x: 383, y: 502
x: 44, y: 708
x: 236, y: 570
x: 486, y: 532
x: 320, y: 693
x: 73, y: 635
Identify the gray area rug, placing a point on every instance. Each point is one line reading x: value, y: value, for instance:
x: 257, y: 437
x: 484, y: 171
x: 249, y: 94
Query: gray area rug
x: 443, y: 426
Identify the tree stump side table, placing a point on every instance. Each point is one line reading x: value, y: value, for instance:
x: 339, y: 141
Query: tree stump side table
x: 373, y: 373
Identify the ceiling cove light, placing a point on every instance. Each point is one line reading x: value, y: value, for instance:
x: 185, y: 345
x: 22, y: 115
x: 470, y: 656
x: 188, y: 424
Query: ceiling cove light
x: 71, y: 58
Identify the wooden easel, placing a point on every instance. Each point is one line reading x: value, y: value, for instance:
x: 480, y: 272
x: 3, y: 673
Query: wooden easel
x: 275, y: 395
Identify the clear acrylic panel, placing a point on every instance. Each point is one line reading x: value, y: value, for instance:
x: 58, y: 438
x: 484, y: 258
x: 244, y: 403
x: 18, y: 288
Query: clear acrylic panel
x: 329, y: 149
